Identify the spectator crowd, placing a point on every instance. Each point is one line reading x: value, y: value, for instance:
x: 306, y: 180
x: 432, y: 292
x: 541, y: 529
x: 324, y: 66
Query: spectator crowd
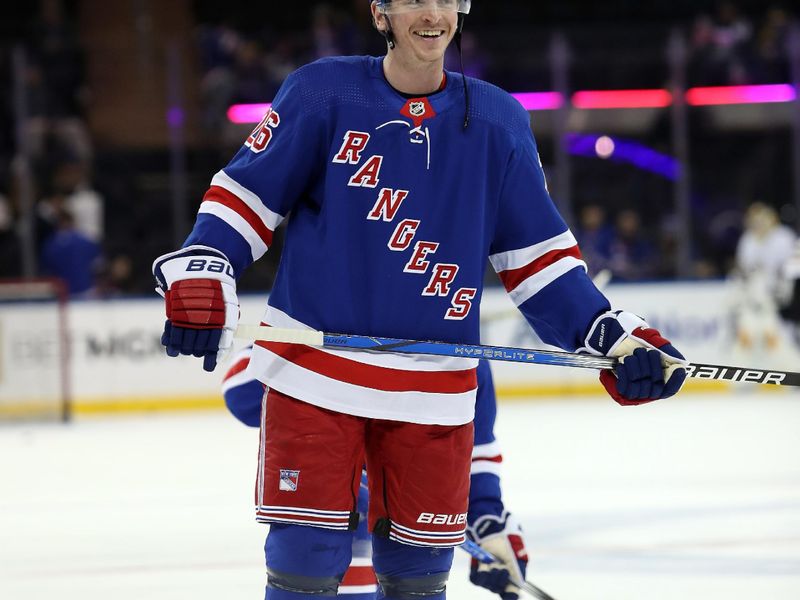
x: 244, y: 64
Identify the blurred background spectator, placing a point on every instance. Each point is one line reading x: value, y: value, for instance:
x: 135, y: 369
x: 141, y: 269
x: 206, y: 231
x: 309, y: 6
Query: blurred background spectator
x: 632, y: 251
x: 594, y: 235
x: 57, y: 93
x: 99, y: 83
x: 723, y: 50
x: 70, y: 255
x: 764, y: 250
x: 10, y: 247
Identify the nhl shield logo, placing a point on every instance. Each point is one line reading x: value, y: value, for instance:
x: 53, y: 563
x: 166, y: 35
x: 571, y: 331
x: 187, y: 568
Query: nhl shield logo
x: 289, y: 479
x: 417, y: 109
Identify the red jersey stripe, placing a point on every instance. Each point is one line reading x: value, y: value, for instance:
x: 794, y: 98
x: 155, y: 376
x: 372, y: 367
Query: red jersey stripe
x: 513, y: 277
x: 222, y: 196
x: 374, y: 377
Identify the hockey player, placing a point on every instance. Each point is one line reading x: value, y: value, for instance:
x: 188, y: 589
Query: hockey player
x: 486, y: 517
x: 401, y: 179
x: 764, y: 249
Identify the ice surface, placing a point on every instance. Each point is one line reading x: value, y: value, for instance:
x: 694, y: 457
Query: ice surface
x: 693, y: 498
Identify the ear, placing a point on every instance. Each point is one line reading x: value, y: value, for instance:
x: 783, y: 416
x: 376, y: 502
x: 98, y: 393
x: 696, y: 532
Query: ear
x: 378, y: 18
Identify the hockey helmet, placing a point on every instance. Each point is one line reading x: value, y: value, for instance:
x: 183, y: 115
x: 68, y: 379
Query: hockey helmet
x: 393, y: 7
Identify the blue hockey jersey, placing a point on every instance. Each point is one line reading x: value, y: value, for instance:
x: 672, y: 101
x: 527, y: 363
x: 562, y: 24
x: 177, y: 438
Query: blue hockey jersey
x: 393, y: 208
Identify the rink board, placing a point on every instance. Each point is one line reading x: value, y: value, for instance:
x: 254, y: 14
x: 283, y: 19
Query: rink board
x: 117, y: 362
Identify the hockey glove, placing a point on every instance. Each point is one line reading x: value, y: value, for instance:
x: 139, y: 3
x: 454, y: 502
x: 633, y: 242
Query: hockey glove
x: 649, y: 366
x: 198, y: 285
x: 502, y: 537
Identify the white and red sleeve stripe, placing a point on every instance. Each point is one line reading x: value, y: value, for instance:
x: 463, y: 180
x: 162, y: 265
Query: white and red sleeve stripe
x: 486, y: 458
x: 527, y: 271
x: 243, y: 210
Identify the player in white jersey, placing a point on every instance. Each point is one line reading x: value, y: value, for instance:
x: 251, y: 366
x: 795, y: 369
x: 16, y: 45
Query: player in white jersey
x: 763, y: 251
x: 398, y: 180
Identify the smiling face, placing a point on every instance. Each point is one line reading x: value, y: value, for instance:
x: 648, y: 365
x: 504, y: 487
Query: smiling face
x: 421, y: 35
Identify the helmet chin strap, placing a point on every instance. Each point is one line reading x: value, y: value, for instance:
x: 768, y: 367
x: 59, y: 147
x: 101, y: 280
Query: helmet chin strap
x: 459, y: 27
x: 388, y: 33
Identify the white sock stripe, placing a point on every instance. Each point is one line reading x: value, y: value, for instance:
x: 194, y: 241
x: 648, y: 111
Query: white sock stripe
x: 485, y: 466
x: 361, y: 561
x: 358, y: 589
x: 486, y: 450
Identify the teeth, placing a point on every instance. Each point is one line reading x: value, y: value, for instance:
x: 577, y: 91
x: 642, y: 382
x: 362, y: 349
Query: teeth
x: 429, y: 33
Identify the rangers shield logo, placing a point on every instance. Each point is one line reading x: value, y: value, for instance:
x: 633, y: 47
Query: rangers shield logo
x: 289, y: 479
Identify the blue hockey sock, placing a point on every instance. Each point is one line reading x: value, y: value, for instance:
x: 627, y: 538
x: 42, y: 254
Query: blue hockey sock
x: 305, y: 562
x: 410, y: 572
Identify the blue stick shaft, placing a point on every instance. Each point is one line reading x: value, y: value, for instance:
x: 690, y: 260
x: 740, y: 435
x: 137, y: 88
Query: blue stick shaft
x: 505, y: 353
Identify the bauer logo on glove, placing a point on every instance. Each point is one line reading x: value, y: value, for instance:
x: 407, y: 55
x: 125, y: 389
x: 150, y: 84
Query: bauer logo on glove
x: 650, y: 368
x: 212, y: 266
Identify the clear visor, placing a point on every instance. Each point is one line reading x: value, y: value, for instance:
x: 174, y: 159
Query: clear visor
x: 394, y: 7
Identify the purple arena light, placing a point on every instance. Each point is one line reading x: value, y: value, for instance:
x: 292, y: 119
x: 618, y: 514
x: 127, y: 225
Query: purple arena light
x: 740, y: 94
x: 247, y: 113
x: 624, y: 151
x: 605, y: 99
x: 540, y: 100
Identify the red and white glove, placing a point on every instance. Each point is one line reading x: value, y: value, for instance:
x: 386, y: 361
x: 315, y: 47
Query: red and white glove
x: 199, y: 287
x: 650, y: 367
x: 501, y: 536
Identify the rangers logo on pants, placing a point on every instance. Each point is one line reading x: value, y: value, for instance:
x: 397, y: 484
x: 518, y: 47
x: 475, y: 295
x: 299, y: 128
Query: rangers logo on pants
x: 289, y: 480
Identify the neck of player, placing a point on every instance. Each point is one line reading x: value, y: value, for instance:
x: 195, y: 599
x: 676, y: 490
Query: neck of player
x: 413, y: 76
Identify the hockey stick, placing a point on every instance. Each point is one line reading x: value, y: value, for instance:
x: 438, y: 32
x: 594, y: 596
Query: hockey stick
x: 478, y: 553
x: 339, y: 341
